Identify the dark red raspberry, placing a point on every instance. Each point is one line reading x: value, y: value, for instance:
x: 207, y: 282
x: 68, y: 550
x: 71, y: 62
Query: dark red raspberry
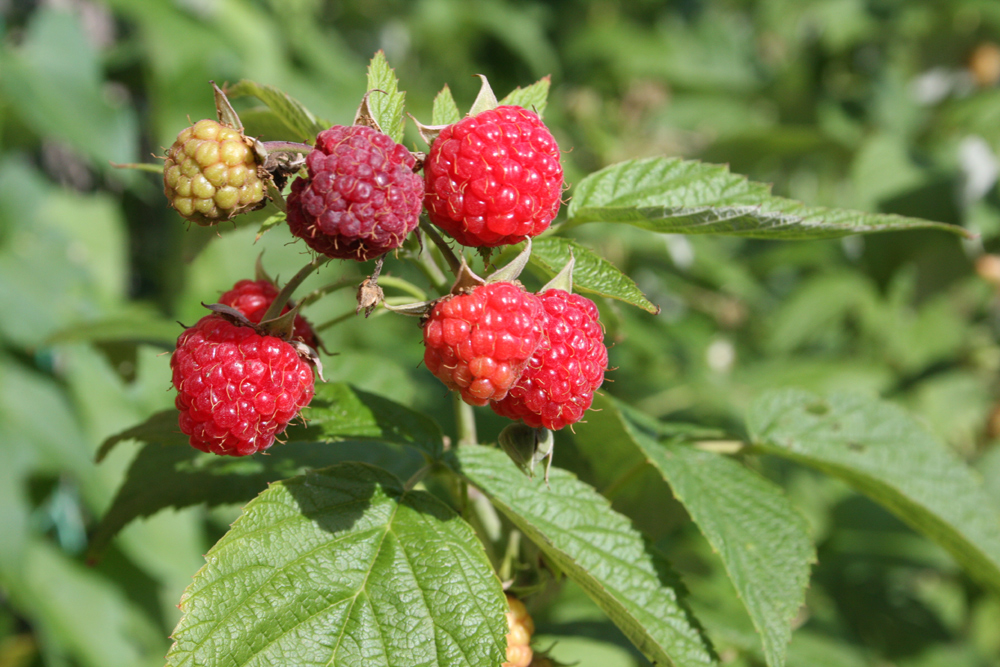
x: 559, y: 382
x: 253, y: 297
x: 478, y: 343
x: 361, y: 198
x: 237, y: 389
x: 494, y: 178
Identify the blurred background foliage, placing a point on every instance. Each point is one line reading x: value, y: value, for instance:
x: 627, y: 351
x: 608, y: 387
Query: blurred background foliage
x: 888, y: 105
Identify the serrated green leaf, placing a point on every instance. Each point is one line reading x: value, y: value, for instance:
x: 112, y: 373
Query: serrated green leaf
x: 533, y: 97
x: 342, y: 566
x: 672, y: 195
x: 445, y: 111
x: 595, y: 547
x: 165, y: 475
x: 271, y: 221
x: 386, y: 106
x: 591, y: 272
x: 884, y: 453
x: 762, y: 541
x: 287, y: 109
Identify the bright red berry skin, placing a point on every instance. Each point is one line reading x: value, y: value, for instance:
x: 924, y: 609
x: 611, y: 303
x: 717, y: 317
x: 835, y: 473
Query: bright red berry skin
x: 253, y: 297
x: 478, y: 343
x: 558, y: 384
x: 494, y: 178
x: 236, y: 389
x: 361, y: 197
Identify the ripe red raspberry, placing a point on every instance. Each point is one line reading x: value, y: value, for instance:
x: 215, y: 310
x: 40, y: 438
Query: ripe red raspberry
x: 236, y: 389
x: 559, y: 382
x: 253, y: 297
x: 521, y: 627
x: 494, y: 178
x: 210, y: 174
x: 478, y: 343
x: 361, y: 198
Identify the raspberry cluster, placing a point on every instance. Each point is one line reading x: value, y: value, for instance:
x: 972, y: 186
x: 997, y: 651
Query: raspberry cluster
x: 558, y: 384
x: 494, y: 178
x: 210, y: 174
x: 236, y: 388
x: 361, y: 197
x: 478, y: 343
x: 521, y: 626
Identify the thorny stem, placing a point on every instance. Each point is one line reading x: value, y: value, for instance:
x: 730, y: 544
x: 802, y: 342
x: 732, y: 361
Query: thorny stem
x: 286, y: 292
x: 449, y: 255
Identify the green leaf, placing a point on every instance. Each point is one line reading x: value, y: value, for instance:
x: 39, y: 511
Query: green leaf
x: 884, y: 453
x: 591, y: 272
x: 762, y: 541
x: 269, y: 222
x: 671, y: 195
x: 342, y: 566
x: 163, y: 475
x: 289, y: 110
x: 445, y: 111
x: 533, y: 97
x: 597, y: 548
x: 134, y: 326
x: 386, y: 106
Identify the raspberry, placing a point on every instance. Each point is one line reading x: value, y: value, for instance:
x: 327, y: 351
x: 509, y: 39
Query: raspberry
x: 478, y: 343
x: 559, y: 382
x: 236, y: 389
x: 521, y: 627
x: 361, y: 198
x: 210, y: 174
x: 494, y: 178
x: 253, y: 297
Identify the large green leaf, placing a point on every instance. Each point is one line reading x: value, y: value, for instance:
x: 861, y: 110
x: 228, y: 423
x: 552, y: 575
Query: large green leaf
x: 591, y: 272
x: 597, y: 548
x: 385, y: 101
x: 342, y: 566
x: 762, y: 541
x: 689, y: 197
x: 287, y: 109
x: 883, y: 452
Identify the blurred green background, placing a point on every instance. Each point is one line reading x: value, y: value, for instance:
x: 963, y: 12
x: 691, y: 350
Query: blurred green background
x: 888, y: 105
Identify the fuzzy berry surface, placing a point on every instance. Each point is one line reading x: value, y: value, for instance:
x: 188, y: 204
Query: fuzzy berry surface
x: 558, y: 384
x: 254, y: 297
x: 361, y: 197
x: 210, y: 174
x: 236, y: 389
x: 494, y: 178
x: 478, y: 343
x: 521, y: 627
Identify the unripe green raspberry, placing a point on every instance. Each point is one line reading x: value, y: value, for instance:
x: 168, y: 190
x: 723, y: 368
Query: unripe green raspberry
x: 210, y: 174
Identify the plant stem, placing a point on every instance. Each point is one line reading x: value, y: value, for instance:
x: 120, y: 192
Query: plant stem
x: 431, y: 271
x: 416, y: 478
x: 286, y: 292
x: 465, y: 421
x: 319, y: 293
x: 335, y: 321
x: 449, y: 255
x: 403, y: 286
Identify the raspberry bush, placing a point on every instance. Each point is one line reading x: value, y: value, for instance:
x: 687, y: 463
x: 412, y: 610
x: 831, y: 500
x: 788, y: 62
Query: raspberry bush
x: 393, y: 519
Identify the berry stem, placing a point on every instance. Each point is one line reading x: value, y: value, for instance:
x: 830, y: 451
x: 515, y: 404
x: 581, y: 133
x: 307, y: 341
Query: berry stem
x: 286, y: 147
x: 449, y: 255
x: 319, y: 293
x: 286, y: 292
x: 335, y: 321
x: 403, y: 286
x: 465, y: 421
x: 425, y: 262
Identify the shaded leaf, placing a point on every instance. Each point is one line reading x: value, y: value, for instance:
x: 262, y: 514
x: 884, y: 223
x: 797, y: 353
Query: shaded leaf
x: 342, y: 566
x: 533, y: 97
x: 591, y: 272
x: 288, y: 110
x: 595, y: 547
x: 762, y: 541
x: 884, y: 453
x: 672, y: 195
x: 132, y: 327
x: 386, y: 106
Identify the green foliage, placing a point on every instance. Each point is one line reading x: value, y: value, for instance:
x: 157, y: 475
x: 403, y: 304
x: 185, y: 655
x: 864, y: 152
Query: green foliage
x: 794, y: 460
